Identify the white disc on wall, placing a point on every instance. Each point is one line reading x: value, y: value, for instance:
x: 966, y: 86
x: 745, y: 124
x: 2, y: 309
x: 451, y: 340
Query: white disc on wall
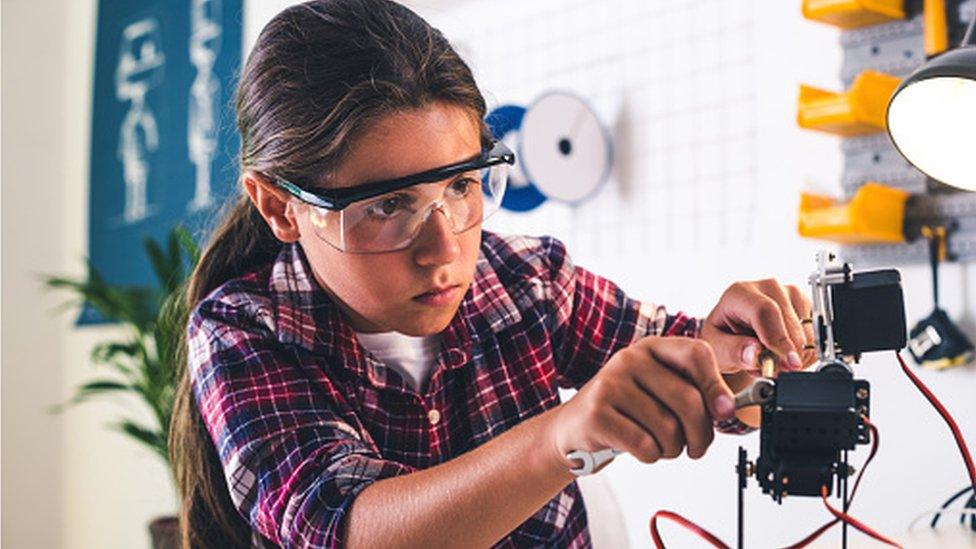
x: 565, y: 149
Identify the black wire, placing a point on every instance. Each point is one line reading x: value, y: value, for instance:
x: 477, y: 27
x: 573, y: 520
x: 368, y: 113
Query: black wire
x: 971, y: 504
x: 972, y: 518
x: 948, y: 502
x: 934, y: 249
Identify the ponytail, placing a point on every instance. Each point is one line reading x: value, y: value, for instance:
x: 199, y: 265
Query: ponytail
x: 208, y: 517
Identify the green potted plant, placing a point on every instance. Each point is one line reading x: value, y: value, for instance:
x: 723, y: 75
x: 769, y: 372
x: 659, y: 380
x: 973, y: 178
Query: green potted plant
x: 143, y: 362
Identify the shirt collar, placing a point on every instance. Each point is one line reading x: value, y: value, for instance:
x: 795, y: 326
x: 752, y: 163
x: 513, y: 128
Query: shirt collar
x: 306, y: 316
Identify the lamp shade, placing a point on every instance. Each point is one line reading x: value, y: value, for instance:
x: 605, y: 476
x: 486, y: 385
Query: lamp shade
x: 932, y: 118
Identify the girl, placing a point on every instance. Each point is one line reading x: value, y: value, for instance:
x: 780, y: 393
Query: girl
x: 366, y: 366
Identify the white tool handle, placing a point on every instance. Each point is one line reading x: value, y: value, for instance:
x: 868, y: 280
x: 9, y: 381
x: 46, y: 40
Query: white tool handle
x: 591, y: 461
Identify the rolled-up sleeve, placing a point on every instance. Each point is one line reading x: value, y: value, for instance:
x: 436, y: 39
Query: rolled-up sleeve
x: 293, y: 455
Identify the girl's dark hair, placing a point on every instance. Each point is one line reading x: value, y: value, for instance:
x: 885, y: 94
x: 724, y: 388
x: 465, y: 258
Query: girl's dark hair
x: 319, y: 74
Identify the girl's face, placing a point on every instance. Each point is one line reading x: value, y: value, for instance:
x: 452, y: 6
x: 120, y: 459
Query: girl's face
x: 415, y: 291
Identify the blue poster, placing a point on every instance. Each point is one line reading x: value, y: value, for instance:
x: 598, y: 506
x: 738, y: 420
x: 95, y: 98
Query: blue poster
x: 164, y: 144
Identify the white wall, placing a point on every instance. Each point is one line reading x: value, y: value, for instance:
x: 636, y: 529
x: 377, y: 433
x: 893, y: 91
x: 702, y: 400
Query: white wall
x: 32, y: 442
x: 69, y: 482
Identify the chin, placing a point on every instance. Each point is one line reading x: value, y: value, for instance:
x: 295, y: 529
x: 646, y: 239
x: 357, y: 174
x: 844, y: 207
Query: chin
x: 427, y: 324
x: 420, y: 328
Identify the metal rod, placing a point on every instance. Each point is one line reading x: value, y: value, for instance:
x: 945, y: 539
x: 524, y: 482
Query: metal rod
x: 847, y: 503
x: 970, y: 38
x: 741, y: 469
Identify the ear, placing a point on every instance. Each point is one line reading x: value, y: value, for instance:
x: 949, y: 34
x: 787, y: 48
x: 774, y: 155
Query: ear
x: 272, y: 203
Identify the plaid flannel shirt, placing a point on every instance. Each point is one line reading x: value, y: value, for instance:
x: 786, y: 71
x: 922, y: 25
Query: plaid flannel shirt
x: 304, y: 418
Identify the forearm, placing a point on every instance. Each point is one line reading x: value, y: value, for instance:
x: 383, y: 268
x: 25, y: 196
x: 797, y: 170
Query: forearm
x: 472, y: 501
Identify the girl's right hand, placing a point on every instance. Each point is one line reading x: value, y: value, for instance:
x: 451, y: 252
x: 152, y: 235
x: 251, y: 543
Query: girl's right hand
x: 651, y: 400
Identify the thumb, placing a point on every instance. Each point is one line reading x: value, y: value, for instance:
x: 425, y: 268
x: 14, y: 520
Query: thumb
x: 736, y: 352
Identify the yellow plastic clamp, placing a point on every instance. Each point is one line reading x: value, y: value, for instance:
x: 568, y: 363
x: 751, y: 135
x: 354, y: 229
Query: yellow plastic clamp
x: 851, y: 14
x: 858, y: 111
x: 874, y: 216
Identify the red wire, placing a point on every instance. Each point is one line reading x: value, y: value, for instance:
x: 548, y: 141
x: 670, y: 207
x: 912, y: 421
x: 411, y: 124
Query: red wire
x: 854, y: 522
x: 875, y: 443
x: 705, y: 534
x: 711, y: 538
x: 960, y: 442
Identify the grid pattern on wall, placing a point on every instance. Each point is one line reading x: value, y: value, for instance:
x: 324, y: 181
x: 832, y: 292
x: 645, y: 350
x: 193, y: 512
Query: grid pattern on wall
x: 675, y: 82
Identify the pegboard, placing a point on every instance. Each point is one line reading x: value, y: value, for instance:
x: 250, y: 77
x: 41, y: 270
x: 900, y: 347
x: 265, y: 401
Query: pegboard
x: 898, y: 48
x: 926, y: 209
x: 676, y: 83
x: 875, y: 158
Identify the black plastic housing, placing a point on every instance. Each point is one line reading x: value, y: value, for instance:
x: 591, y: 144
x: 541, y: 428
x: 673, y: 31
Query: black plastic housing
x: 869, y: 313
x: 812, y: 418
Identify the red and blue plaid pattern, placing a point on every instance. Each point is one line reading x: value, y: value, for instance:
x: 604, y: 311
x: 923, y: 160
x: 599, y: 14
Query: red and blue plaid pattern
x: 304, y: 418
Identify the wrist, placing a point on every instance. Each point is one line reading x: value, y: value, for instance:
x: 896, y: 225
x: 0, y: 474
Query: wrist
x: 548, y: 460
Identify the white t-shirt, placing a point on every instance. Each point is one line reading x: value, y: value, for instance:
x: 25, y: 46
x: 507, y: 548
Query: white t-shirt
x: 412, y: 357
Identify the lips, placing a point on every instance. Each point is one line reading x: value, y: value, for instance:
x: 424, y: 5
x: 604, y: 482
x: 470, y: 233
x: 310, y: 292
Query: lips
x: 438, y: 296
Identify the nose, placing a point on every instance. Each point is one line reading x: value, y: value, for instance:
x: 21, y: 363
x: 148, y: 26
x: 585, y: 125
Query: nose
x: 436, y: 243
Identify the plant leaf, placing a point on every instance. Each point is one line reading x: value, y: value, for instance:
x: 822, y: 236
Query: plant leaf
x: 102, y: 386
x: 108, y: 350
x: 166, y: 269
x: 88, y: 390
x: 175, y: 258
x: 95, y: 388
x: 154, y: 439
x: 148, y: 357
x: 189, y: 244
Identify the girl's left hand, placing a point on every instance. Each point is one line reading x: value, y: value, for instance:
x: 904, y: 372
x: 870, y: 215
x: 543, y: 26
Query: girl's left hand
x: 766, y: 313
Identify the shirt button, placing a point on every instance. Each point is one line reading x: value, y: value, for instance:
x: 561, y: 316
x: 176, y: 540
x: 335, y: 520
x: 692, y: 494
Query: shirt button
x: 434, y: 416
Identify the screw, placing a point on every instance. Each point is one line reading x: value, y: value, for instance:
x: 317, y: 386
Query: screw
x: 862, y: 394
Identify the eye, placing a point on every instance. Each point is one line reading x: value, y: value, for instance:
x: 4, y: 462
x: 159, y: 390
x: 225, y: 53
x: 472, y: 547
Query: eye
x: 387, y: 207
x: 460, y: 188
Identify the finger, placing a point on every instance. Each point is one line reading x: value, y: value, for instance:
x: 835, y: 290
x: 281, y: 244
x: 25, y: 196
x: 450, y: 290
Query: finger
x: 762, y: 315
x: 644, y: 409
x: 735, y: 352
x: 804, y: 308
x: 683, y: 400
x: 791, y: 321
x: 625, y: 434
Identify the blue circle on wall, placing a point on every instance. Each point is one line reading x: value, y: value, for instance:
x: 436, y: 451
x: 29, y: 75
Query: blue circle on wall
x: 520, y: 195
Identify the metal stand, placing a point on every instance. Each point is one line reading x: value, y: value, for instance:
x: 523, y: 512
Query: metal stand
x: 742, y: 474
x: 846, y: 502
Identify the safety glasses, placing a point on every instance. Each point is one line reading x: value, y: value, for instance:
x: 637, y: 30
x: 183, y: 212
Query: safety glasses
x: 386, y: 216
